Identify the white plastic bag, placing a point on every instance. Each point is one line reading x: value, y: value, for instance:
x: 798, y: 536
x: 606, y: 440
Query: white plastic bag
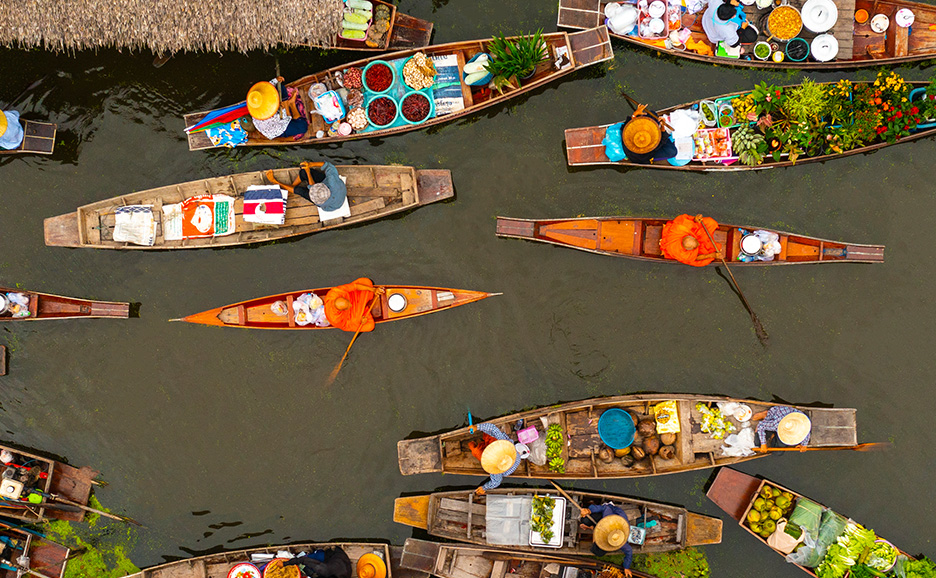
x: 684, y: 122
x: 538, y: 451
x: 740, y: 444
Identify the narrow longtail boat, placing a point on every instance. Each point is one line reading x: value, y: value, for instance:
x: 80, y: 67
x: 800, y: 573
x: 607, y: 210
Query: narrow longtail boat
x: 584, y: 146
x: 457, y: 561
x: 858, y: 45
x: 48, y: 306
x: 43, y: 557
x: 735, y: 492
x: 639, y: 238
x: 397, y: 302
x: 50, y: 477
x: 463, y: 516
x: 568, y: 53
x: 578, y: 421
x: 374, y: 192
x: 405, y: 32
x: 248, y: 561
x: 38, y: 138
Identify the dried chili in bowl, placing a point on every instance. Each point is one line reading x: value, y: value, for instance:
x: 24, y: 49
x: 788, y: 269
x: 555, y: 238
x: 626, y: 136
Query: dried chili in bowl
x: 378, y: 77
x: 382, y: 111
x: 415, y: 107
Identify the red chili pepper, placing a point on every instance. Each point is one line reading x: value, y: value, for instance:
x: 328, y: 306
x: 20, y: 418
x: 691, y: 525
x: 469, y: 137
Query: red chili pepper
x: 378, y: 77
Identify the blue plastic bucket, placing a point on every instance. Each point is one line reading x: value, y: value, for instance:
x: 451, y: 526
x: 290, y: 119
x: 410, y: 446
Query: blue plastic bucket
x: 616, y: 428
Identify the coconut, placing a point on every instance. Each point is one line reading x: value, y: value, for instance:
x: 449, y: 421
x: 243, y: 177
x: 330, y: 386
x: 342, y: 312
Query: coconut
x: 638, y: 453
x: 622, y: 452
x: 605, y: 455
x: 667, y: 452
x: 652, y: 445
x: 646, y: 427
x: 668, y: 439
x: 628, y: 461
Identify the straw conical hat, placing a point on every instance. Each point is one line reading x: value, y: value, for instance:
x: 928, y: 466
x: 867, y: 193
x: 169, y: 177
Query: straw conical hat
x: 371, y: 566
x: 793, y: 428
x: 641, y: 135
x: 263, y: 100
x: 498, y: 456
x: 3, y: 123
x: 611, y: 533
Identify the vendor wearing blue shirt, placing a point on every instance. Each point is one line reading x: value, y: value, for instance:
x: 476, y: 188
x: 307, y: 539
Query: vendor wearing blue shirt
x: 11, y: 131
x: 726, y: 22
x: 611, y: 532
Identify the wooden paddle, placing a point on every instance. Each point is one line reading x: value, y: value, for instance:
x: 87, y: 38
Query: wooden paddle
x: 859, y: 448
x: 60, y: 499
x: 572, y: 500
x: 758, y: 327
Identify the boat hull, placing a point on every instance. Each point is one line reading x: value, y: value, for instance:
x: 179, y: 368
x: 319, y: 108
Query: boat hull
x: 38, y: 138
x: 48, y: 306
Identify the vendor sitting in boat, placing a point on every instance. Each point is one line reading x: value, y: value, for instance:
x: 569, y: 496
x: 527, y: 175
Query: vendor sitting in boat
x: 685, y: 240
x: 318, y: 183
x: 611, y: 532
x: 497, y: 455
x: 643, y: 139
x: 329, y: 563
x: 11, y: 130
x: 348, y: 307
x: 790, y: 425
x: 726, y: 22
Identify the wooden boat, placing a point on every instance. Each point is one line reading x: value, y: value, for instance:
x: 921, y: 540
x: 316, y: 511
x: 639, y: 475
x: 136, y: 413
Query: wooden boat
x: 257, y: 313
x: 220, y: 563
x: 457, y: 561
x: 38, y: 138
x: 859, y: 46
x: 582, y: 49
x: 68, y: 482
x: 405, y: 32
x: 639, y: 238
x: 48, y: 306
x: 373, y: 192
x: 734, y: 492
x: 46, y: 558
x: 449, y: 452
x: 584, y: 147
x: 462, y: 515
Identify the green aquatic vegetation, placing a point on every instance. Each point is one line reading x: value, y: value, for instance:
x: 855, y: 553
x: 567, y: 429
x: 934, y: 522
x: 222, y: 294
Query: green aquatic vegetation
x: 688, y: 563
x: 102, y: 545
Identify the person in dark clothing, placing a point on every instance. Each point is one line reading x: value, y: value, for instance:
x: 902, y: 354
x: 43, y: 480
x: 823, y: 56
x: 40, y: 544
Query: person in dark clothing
x: 336, y: 565
x: 614, y: 537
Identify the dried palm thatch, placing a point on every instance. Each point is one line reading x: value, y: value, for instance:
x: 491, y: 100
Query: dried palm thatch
x: 167, y: 26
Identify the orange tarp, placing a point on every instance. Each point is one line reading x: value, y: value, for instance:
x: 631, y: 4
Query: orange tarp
x: 358, y: 317
x: 681, y: 226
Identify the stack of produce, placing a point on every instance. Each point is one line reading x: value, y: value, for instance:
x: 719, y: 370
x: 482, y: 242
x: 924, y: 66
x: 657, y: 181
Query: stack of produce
x: 542, y: 517
x: 554, y: 448
x: 356, y: 21
x: 771, y: 505
x: 419, y: 72
x: 377, y: 35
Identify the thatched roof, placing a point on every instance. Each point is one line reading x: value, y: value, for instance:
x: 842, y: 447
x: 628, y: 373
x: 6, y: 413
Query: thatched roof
x: 166, y: 26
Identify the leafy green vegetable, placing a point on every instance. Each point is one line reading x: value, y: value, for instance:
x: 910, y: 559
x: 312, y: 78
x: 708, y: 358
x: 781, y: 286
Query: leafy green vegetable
x: 846, y: 550
x: 922, y: 568
x: 881, y: 556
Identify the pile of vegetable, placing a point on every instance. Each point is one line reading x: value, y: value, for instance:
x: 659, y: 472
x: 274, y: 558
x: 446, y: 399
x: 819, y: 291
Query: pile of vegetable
x: 749, y: 146
x: 850, y: 548
x: 714, y: 422
x: 542, y: 519
x: 881, y: 556
x: 771, y: 505
x: 922, y: 568
x: 356, y: 20
x: 554, y: 448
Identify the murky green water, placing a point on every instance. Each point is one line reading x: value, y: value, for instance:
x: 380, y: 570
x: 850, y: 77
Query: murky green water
x: 225, y: 439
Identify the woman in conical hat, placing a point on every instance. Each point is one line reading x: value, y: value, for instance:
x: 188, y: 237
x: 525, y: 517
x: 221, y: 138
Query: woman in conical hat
x: 11, y: 131
x: 791, y: 426
x: 499, y: 458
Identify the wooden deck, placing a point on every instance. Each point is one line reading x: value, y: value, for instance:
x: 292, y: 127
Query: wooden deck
x: 38, y: 138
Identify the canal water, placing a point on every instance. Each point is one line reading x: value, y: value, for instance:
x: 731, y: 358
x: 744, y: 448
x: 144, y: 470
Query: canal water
x: 222, y: 439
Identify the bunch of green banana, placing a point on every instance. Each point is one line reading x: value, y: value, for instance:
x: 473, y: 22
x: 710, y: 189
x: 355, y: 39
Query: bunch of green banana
x: 554, y: 448
x: 745, y: 143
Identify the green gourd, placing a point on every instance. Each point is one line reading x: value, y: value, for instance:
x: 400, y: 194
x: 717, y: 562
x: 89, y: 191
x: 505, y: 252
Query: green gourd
x: 354, y: 26
x: 359, y: 4
x: 355, y: 18
x: 354, y: 34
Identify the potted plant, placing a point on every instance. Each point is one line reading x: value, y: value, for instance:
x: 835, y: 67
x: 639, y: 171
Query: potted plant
x: 516, y: 58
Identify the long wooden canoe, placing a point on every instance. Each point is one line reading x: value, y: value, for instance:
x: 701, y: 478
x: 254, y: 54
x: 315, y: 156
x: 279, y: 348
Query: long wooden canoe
x: 46, y: 558
x: 461, y: 516
x: 584, y: 147
x: 457, y: 561
x: 374, y: 192
x: 38, y: 138
x: 449, y: 453
x: 584, y: 49
x: 71, y: 483
x: 405, y: 32
x: 734, y: 492
x: 858, y: 45
x: 639, y: 238
x: 257, y: 313
x: 219, y: 564
x: 48, y: 306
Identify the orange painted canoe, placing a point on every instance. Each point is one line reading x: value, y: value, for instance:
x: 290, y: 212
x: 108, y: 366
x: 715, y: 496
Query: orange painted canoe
x: 639, y: 238
x: 259, y: 314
